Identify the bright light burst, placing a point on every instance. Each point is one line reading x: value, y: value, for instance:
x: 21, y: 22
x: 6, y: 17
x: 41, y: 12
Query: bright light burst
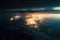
x: 11, y: 19
x: 32, y: 19
x: 15, y: 17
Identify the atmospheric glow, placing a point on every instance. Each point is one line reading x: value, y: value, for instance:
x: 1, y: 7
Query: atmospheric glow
x: 15, y: 17
x: 32, y: 20
x: 56, y: 8
x: 38, y: 9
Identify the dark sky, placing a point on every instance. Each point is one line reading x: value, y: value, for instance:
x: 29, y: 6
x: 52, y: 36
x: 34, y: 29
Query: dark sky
x: 6, y: 24
x: 27, y: 3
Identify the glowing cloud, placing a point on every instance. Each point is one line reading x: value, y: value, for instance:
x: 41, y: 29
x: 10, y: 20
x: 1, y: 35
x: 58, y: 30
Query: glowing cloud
x: 33, y: 19
x: 15, y: 17
x: 56, y: 8
x: 11, y: 19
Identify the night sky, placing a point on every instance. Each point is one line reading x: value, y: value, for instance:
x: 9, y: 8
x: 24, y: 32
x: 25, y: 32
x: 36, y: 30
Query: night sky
x: 18, y: 30
x: 28, y: 3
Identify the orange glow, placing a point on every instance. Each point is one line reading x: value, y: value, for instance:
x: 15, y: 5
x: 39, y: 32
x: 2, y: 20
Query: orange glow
x: 33, y: 19
x: 15, y: 17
